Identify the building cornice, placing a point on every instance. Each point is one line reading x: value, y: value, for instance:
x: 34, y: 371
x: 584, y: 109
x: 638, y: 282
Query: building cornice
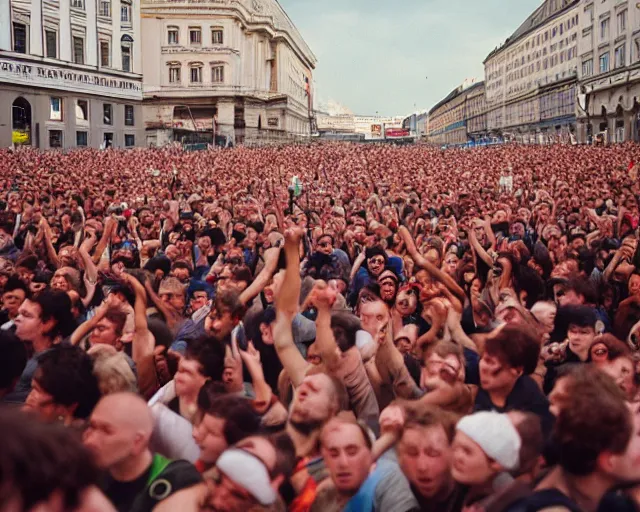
x: 254, y: 15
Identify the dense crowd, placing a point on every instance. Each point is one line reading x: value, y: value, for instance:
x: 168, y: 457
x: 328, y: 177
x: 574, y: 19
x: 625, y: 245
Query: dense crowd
x: 320, y: 328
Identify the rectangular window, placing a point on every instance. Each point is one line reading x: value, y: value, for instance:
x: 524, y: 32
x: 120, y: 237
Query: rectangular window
x: 638, y: 49
x: 55, y: 109
x: 620, y: 56
x: 81, y: 139
x: 587, y: 67
x: 107, y: 113
x: 217, y: 74
x: 125, y: 51
x: 125, y: 13
x: 55, y: 139
x: 78, y: 50
x: 195, y: 36
x: 77, y: 4
x: 104, y: 8
x: 196, y: 75
x: 216, y: 36
x: 172, y: 35
x: 174, y: 75
x: 604, y: 62
x: 604, y: 29
x: 622, y: 22
x: 19, y: 38
x: 105, y: 54
x: 51, y: 41
x: 82, y: 110
x: 107, y: 141
x: 128, y: 115
x: 129, y: 140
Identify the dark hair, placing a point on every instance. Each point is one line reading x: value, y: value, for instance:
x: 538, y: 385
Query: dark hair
x: 528, y: 280
x: 181, y: 264
x: 241, y: 273
x: 126, y: 291
x: 530, y: 431
x: 580, y: 316
x: 584, y: 287
x: 431, y: 416
x: 228, y: 301
x: 240, y: 419
x: 39, y: 459
x: 13, y: 360
x: 66, y: 373
x: 15, y: 283
x: 7, y: 222
x: 56, y: 305
x: 345, y: 327
x: 285, y: 454
x: 209, y: 352
x: 595, y: 420
x: 118, y: 318
x: 515, y: 346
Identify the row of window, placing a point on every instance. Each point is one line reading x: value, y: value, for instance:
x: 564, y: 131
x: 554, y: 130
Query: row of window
x: 619, y: 56
x: 82, y: 111
x: 21, y: 42
x: 621, y: 22
x: 195, y: 73
x: 195, y: 35
x: 56, y: 139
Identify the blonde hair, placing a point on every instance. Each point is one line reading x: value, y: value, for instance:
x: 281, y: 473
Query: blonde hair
x: 112, y: 370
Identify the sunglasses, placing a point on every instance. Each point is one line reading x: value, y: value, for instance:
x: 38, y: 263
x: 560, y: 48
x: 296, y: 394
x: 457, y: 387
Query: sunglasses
x: 376, y: 261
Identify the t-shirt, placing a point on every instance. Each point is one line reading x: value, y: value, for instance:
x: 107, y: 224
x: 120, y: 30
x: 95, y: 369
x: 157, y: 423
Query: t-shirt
x: 123, y: 494
x: 525, y: 396
x: 23, y: 387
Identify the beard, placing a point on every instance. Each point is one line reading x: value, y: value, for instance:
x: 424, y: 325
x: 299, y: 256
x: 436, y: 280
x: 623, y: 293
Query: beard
x: 306, y: 428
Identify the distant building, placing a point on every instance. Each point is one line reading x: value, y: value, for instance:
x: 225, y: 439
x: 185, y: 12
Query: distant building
x: 236, y: 70
x: 459, y: 118
x: 70, y: 73
x: 531, y: 79
x: 609, y: 70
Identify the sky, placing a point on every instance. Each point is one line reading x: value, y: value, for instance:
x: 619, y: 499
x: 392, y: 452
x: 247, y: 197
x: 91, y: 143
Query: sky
x: 397, y: 56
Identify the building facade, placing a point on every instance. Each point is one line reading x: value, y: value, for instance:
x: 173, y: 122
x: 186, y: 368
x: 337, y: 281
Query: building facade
x: 459, y: 118
x: 70, y: 74
x: 609, y: 70
x: 531, y: 79
x: 232, y: 69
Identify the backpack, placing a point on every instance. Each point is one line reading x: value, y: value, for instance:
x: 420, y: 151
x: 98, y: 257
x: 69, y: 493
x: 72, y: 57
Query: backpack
x: 165, y: 478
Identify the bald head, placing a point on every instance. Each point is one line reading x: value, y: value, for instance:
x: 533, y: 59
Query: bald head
x: 119, y: 431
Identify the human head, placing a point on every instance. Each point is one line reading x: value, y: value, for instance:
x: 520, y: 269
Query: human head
x: 510, y: 351
x: 317, y: 399
x: 345, y: 327
x: 172, y: 292
x: 388, y: 283
x: 14, y: 294
x: 376, y: 260
x: 593, y: 428
x: 59, y: 476
x: 346, y: 449
x: 486, y: 443
x: 109, y: 329
x: 407, y: 300
x: 324, y: 244
x: 424, y: 450
x: 582, y: 329
x: 112, y: 370
x: 119, y: 431
x: 46, y: 315
x: 203, y: 360
x: 374, y: 316
x: 221, y: 422
x: 250, y: 473
x: 226, y: 313
x: 64, y: 386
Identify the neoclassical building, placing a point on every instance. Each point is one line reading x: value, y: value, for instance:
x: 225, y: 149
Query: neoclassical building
x: 234, y: 70
x: 531, y: 79
x: 609, y: 70
x: 70, y: 73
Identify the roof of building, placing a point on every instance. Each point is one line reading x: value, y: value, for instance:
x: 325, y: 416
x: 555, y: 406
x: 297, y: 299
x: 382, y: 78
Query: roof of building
x: 454, y: 94
x: 548, y: 10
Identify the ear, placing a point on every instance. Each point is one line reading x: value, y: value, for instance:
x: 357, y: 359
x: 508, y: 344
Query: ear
x: 277, y: 482
x: 607, y: 461
x: 517, y: 372
x: 496, y: 467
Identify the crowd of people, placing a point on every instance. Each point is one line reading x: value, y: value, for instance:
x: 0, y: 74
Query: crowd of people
x: 320, y: 327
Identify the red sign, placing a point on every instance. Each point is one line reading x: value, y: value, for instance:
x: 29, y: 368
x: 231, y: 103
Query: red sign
x: 397, y: 132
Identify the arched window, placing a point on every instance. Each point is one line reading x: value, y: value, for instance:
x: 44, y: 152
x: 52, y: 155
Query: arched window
x: 21, y: 122
x: 126, y: 50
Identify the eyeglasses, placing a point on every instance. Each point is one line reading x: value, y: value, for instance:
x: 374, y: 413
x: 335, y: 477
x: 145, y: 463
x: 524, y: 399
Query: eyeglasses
x: 376, y: 261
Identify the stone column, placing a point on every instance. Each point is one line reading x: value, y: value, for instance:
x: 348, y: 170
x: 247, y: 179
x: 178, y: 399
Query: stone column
x: 226, y: 117
x: 5, y: 26
x: 66, y: 43
x: 35, y: 29
x: 92, y: 33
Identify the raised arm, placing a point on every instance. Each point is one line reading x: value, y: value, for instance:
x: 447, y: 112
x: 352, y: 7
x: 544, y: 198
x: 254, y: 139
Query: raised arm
x: 90, y: 269
x: 422, y: 262
x: 287, y: 308
x: 262, y: 279
x: 109, y: 227
x: 390, y: 365
x: 323, y: 297
x: 86, y: 327
x: 51, y: 251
